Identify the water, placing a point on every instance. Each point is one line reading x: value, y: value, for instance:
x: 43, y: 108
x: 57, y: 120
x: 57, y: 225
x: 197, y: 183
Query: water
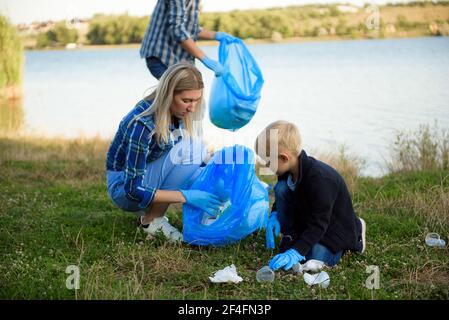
x: 356, y: 93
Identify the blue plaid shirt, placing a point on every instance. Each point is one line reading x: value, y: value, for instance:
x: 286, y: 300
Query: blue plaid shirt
x: 133, y: 147
x: 172, y: 22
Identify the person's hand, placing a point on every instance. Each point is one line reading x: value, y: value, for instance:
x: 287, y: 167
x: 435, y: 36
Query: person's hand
x: 273, y: 229
x: 286, y: 259
x: 203, y: 200
x: 219, y: 36
x: 214, y: 65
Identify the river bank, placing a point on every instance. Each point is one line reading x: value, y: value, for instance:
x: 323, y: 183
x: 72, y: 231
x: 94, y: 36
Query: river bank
x: 202, y: 43
x: 55, y: 212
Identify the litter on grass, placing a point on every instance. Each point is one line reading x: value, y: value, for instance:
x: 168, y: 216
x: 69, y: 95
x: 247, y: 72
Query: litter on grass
x: 228, y: 274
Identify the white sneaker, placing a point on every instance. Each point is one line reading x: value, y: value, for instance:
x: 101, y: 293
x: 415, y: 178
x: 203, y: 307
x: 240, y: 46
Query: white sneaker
x: 161, y: 224
x: 363, y: 223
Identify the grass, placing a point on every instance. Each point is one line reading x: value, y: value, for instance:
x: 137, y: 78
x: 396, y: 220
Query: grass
x: 11, y: 56
x: 426, y: 148
x: 55, y: 212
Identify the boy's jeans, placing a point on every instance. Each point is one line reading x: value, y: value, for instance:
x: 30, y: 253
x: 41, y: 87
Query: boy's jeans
x: 156, y: 67
x: 286, y: 213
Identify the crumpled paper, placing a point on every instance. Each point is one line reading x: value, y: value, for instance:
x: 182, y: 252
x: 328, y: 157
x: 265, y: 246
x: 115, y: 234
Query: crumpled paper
x: 228, y: 274
x: 322, y: 279
x: 311, y: 265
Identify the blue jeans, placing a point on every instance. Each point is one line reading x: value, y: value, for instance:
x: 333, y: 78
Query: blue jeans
x: 176, y: 169
x: 284, y: 197
x: 321, y: 253
x: 156, y: 67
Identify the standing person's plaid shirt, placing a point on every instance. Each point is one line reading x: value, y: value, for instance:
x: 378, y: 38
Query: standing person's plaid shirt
x: 172, y: 22
x: 133, y: 147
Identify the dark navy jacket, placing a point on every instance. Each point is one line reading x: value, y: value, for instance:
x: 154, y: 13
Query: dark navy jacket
x: 322, y: 208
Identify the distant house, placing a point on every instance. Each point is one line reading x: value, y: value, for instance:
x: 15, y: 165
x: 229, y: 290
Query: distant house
x: 347, y: 9
x: 71, y: 46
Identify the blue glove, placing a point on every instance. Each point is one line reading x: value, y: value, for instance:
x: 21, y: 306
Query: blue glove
x: 214, y: 65
x: 203, y: 200
x: 219, y: 36
x: 287, y: 259
x: 272, y: 226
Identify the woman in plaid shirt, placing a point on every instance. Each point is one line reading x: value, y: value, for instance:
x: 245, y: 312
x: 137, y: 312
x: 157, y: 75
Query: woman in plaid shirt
x: 157, y: 152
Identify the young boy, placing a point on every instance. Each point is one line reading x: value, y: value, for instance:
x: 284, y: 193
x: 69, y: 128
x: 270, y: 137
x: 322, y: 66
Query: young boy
x: 312, y: 207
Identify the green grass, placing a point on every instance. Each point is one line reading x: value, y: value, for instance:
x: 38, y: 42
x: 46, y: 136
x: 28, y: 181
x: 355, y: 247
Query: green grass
x: 55, y: 212
x: 11, y: 54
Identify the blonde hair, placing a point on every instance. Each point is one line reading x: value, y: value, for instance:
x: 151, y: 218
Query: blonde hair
x: 288, y: 137
x: 177, y: 78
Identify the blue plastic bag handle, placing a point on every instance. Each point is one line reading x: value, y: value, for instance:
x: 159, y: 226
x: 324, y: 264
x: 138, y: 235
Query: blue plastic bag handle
x: 229, y: 79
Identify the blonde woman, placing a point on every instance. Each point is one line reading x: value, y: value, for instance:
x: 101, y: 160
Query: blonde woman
x: 157, y: 152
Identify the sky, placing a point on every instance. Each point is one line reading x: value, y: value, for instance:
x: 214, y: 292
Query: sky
x: 27, y: 11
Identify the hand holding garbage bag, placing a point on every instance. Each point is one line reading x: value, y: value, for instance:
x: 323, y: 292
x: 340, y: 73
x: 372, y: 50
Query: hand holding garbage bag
x: 286, y: 259
x: 235, y: 95
x: 273, y: 229
x: 231, y: 176
x: 220, y: 36
x: 214, y: 65
x: 203, y: 200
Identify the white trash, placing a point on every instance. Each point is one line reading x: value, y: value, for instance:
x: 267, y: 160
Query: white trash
x: 433, y: 240
x: 311, y: 265
x: 228, y: 274
x: 322, y: 279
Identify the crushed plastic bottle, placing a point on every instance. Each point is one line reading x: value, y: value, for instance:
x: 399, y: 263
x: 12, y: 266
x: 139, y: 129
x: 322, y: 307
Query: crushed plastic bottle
x: 322, y: 279
x: 265, y: 274
x: 433, y: 240
x: 224, y: 195
x: 208, y: 220
x: 311, y: 265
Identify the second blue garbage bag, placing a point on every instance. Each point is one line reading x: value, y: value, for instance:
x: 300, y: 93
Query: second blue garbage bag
x: 230, y: 174
x: 235, y: 95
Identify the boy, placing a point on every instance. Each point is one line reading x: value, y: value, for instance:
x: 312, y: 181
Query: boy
x: 312, y: 207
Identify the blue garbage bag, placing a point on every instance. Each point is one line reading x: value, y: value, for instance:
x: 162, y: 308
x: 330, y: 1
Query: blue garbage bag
x: 235, y: 95
x: 230, y: 174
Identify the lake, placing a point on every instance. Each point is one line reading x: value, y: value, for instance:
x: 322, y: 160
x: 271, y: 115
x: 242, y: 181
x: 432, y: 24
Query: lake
x: 357, y: 93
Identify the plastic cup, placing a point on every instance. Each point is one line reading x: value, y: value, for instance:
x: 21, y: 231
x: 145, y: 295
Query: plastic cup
x: 433, y: 240
x: 265, y: 274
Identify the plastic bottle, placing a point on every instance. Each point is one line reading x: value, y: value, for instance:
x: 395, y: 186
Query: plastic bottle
x: 433, y: 240
x: 224, y: 195
x: 207, y: 219
x: 265, y: 274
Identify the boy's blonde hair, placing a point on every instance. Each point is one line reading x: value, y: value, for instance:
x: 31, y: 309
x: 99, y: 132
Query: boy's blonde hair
x: 288, y: 137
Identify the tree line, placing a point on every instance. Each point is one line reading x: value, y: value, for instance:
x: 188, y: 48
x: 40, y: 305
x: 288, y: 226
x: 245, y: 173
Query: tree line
x: 275, y: 24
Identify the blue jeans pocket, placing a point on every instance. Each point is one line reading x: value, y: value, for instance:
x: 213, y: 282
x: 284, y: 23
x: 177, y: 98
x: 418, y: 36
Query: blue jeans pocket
x: 156, y: 67
x: 116, y: 192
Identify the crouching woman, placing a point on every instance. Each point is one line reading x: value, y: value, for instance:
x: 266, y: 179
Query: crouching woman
x: 157, y: 152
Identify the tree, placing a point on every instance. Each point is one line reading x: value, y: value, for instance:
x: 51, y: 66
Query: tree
x: 11, y: 54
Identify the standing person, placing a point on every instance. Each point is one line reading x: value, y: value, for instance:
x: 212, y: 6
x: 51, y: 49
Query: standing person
x: 171, y: 34
x: 151, y: 162
x: 312, y: 208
